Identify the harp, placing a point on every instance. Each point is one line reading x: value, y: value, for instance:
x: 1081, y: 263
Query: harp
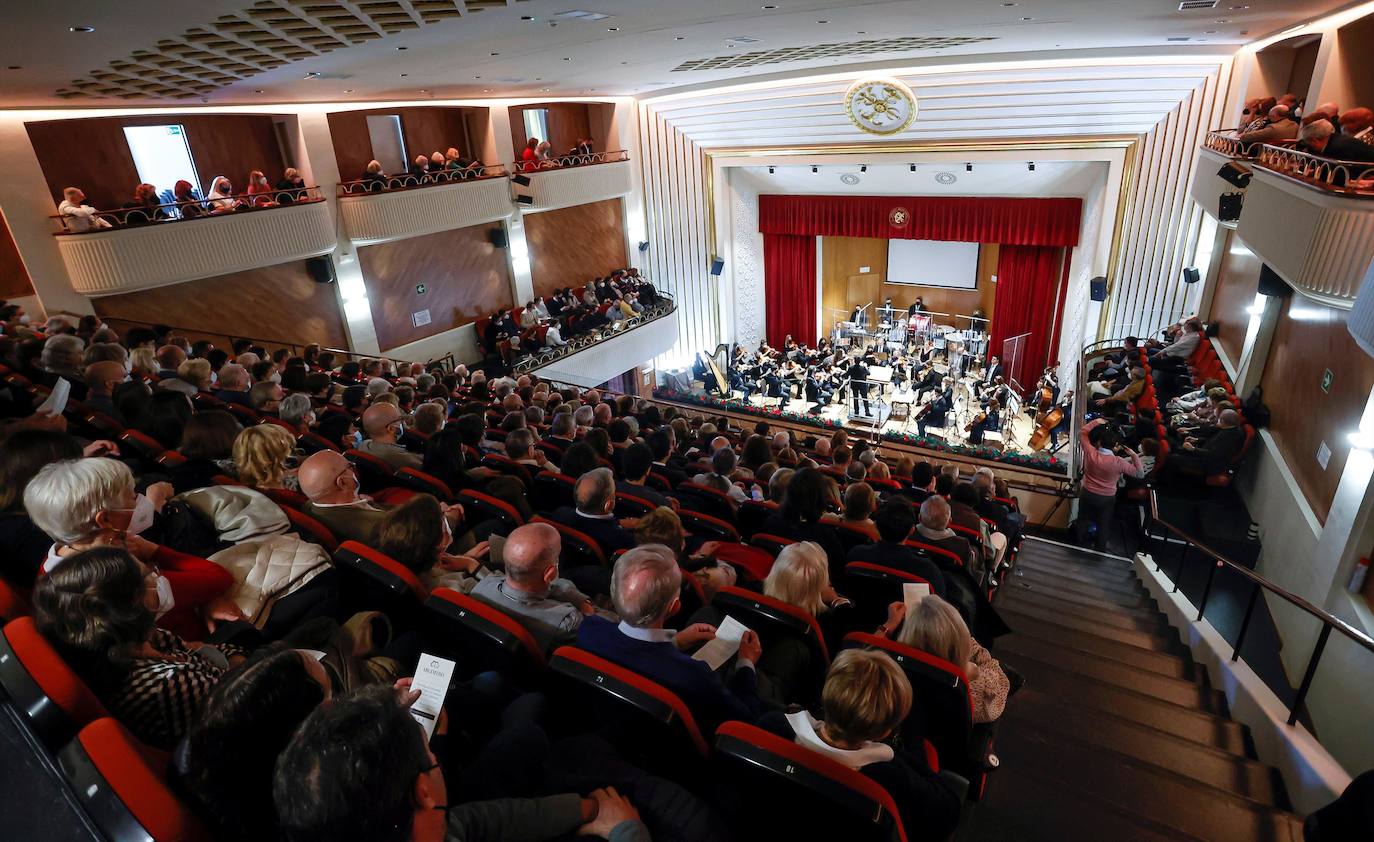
x: 717, y: 363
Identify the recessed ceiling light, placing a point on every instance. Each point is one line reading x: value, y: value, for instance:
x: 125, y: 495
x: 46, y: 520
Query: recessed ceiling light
x: 14, y: 67
x: 81, y: 29
x: 496, y: 54
x: 770, y: 7
x: 258, y: 91
x: 1027, y: 18
x: 544, y: 90
x: 527, y: 17
x: 403, y: 75
x: 1221, y: 20
x: 402, y: 48
x: 565, y: 58
x: 314, y: 74
x: 612, y: 29
x: 486, y: 90
x: 424, y: 90
x: 678, y: 37
x: 348, y: 90
x: 822, y: 21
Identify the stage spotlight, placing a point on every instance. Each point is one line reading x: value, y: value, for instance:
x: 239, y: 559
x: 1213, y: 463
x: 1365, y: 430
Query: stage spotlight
x: 1235, y: 174
x: 863, y: 167
x: 913, y: 167
x: 968, y: 167
x: 771, y: 170
x: 815, y: 168
x: 522, y: 180
x: 1031, y: 166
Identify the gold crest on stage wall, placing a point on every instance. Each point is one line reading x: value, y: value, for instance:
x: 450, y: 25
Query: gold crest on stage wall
x: 880, y: 106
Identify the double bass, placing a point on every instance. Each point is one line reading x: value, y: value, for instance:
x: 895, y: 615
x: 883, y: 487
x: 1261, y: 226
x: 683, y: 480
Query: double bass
x: 1047, y: 422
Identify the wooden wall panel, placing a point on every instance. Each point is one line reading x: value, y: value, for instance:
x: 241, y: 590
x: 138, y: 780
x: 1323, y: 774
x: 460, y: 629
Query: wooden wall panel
x: 1237, y: 283
x: 426, y: 130
x: 14, y: 276
x: 92, y: 153
x: 568, y: 121
x: 570, y: 246
x: 277, y: 302
x: 464, y: 274
x: 842, y: 286
x: 1308, y: 340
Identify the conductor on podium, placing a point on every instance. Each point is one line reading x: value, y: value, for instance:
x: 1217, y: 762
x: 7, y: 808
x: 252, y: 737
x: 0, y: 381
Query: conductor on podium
x: 858, y: 384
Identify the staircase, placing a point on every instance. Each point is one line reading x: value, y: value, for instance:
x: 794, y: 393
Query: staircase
x: 1117, y: 734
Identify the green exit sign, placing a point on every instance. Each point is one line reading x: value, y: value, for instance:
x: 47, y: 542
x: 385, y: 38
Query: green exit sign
x: 420, y: 290
x: 1327, y: 377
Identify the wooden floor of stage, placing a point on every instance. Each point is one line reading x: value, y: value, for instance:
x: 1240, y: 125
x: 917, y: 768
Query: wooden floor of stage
x: 1015, y: 436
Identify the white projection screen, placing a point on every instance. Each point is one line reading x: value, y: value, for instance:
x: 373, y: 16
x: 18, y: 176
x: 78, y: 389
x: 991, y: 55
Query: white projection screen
x: 932, y: 263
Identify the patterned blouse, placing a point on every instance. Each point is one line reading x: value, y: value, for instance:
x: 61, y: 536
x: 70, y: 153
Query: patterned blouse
x: 160, y: 698
x: 990, y: 688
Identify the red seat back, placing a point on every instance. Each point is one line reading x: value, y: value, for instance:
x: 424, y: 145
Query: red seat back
x: 123, y: 788
x: 485, y: 505
x: 382, y: 573
x: 310, y: 529
x: 486, y: 637
x: 711, y: 528
x: 771, y: 544
x: 579, y: 548
x: 933, y: 550
x: 52, y: 697
x: 373, y: 473
x: 424, y: 483
x: 774, y: 619
x: 776, y: 789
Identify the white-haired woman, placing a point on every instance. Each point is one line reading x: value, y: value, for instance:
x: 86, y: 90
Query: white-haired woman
x: 934, y: 626
x: 82, y: 504
x: 221, y: 198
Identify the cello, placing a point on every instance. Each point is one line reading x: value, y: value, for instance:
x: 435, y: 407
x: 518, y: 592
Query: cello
x: 1047, y: 422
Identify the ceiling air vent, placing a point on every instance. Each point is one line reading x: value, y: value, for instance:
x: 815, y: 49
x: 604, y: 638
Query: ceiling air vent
x: 810, y: 52
x: 1177, y: 38
x: 580, y: 14
x: 1189, y: 5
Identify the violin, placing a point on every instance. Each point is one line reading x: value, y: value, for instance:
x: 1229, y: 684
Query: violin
x: 977, y: 419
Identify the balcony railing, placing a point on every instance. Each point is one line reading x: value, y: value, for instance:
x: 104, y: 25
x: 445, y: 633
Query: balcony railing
x: 1350, y: 178
x: 411, y: 181
x: 379, y: 211
x: 663, y: 307
x: 166, y: 213
x: 564, y: 161
x: 1226, y: 142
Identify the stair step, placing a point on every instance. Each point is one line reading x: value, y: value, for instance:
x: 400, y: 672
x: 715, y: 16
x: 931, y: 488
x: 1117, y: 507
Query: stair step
x: 1209, y: 765
x: 1075, y: 689
x: 1143, y: 607
x: 1179, y: 691
x: 1058, y: 580
x: 1087, y: 575
x: 1148, y: 790
x: 1030, y: 807
x: 1018, y: 594
x: 1164, y: 663
x: 1026, y: 613
x: 1075, y: 560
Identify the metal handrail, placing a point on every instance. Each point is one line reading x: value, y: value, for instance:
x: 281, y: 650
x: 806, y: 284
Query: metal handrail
x: 1316, y: 171
x: 651, y: 314
x: 565, y: 161
x: 1228, y: 143
x: 164, y: 213
x: 297, y: 348
x: 1328, y: 620
x: 411, y: 181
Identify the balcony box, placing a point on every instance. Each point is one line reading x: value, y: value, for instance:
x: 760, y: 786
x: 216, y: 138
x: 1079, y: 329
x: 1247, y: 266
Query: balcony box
x: 1319, y: 238
x: 371, y: 218
x: 565, y: 187
x: 122, y: 260
x: 592, y: 359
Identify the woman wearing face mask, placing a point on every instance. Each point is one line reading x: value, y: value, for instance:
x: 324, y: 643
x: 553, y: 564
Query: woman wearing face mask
x: 99, y: 609
x: 84, y: 504
x: 221, y: 198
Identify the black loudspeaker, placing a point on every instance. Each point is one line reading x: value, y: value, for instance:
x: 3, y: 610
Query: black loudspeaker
x: 1097, y: 288
x: 498, y: 237
x: 1191, y: 275
x: 522, y: 180
x: 1235, y: 174
x: 321, y: 269
x: 1272, y: 283
x: 1229, y: 205
x: 644, y: 245
x: 717, y: 266
x: 525, y: 200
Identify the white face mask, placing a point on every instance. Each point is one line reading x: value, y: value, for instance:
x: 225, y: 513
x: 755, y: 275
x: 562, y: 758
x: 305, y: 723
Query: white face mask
x: 165, y: 600
x: 276, y: 377
x: 142, y: 517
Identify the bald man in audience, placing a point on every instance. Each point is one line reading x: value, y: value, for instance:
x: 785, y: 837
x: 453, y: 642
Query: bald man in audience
x: 330, y: 482
x: 552, y: 608
x: 594, y: 496
x: 1357, y: 123
x: 1280, y: 127
x: 384, y: 425
x: 169, y: 359
x: 101, y: 379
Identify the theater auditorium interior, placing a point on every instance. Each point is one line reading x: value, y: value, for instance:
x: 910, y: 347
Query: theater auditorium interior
x: 702, y: 421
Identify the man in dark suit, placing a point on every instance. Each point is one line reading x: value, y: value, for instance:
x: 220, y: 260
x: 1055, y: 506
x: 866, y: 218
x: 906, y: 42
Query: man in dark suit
x: 858, y: 384
x: 594, y: 496
x: 635, y: 463
x: 896, y: 519
x: 645, y: 589
x: 1215, y: 455
x: 992, y: 372
x: 939, y: 409
x: 661, y: 443
x: 816, y: 392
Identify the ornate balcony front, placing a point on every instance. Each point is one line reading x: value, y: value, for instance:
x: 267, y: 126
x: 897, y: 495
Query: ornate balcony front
x: 572, y: 180
x: 402, y: 207
x: 127, y: 257
x: 1311, y: 219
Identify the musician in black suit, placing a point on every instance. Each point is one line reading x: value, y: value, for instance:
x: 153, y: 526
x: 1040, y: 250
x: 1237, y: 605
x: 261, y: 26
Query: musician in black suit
x: 858, y: 384
x: 859, y: 317
x: 935, y: 414
x: 929, y: 382
x: 990, y: 422
x: 998, y: 392
x: 992, y: 373
x: 817, y: 391
x: 917, y: 306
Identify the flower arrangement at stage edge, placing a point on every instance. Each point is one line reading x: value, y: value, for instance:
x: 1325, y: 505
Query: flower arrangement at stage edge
x: 744, y: 408
x: 1041, y: 461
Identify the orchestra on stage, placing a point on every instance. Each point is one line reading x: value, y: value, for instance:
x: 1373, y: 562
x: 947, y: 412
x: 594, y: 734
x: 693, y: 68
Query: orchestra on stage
x: 897, y: 369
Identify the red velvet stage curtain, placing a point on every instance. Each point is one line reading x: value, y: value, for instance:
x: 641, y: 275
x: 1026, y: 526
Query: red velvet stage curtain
x: 789, y: 287
x: 1009, y: 221
x: 1027, y: 302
